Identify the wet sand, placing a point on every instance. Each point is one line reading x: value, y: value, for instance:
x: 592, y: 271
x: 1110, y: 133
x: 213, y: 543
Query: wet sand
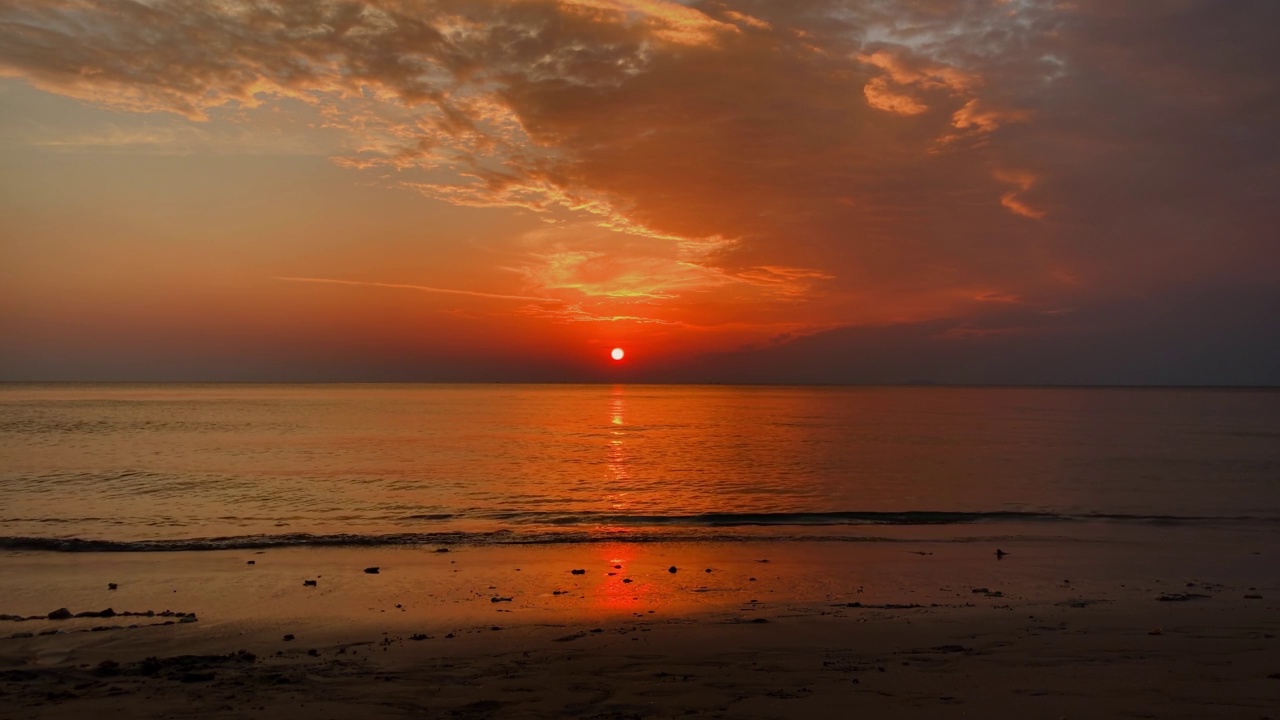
x: 928, y: 630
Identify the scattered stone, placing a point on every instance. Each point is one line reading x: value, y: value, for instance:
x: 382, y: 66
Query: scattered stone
x: 751, y: 579
x: 309, y: 583
x: 1252, y: 597
x: 981, y: 590
x: 578, y: 572
x: 188, y: 619
x: 708, y: 570
x: 112, y: 586
x: 494, y: 599
x: 449, y: 636
x: 418, y: 636
x: 626, y: 580
x: 672, y: 569
x: 1181, y: 597
x: 442, y: 550
x: 759, y: 621
x: 60, y: 614
x: 288, y: 637
x: 1000, y: 553
x: 252, y: 562
x: 617, y: 567
x: 597, y: 630
x: 371, y: 570
x: 107, y: 668
x: 1156, y: 631
x: 496, y: 627
x: 313, y: 652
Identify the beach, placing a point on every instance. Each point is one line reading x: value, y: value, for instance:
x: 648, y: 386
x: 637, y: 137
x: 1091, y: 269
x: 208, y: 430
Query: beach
x: 361, y: 551
x: 774, y: 630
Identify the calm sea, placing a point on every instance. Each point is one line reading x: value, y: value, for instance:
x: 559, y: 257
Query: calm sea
x: 205, y: 466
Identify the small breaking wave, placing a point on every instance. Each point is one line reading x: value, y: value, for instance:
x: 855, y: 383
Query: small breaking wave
x: 560, y: 528
x: 914, y: 517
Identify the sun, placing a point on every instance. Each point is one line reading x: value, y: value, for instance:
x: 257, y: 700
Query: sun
x: 617, y: 354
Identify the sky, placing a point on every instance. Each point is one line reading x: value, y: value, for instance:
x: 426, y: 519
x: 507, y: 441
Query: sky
x: 857, y: 191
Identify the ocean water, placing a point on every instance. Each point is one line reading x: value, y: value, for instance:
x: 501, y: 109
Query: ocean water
x: 154, y: 467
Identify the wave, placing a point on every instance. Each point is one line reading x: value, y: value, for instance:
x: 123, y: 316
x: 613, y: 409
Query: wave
x: 597, y: 528
x: 439, y: 540
x: 913, y: 517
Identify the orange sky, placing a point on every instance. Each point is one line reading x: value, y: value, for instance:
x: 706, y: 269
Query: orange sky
x: 385, y: 189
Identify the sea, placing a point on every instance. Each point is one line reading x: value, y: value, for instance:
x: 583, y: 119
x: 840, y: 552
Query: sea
x: 138, y: 467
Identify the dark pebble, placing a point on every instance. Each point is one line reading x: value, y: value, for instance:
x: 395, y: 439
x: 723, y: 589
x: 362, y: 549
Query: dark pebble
x: 309, y: 583
x: 672, y: 569
x: 578, y: 572
x: 371, y: 571
x: 288, y: 637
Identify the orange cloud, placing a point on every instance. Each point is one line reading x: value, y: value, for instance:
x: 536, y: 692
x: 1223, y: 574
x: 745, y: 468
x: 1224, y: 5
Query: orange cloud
x: 1011, y: 199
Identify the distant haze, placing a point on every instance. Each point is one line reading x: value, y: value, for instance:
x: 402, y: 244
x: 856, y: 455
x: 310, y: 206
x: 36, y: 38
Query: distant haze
x: 811, y: 191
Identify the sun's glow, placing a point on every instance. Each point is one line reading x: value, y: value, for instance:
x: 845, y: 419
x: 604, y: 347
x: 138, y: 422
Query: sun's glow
x: 617, y: 354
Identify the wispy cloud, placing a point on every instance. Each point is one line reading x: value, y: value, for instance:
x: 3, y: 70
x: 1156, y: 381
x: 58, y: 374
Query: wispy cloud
x: 418, y: 288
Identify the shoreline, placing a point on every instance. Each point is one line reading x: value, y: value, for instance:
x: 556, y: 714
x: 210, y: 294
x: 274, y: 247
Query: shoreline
x: 1050, y: 631
x: 1037, y: 660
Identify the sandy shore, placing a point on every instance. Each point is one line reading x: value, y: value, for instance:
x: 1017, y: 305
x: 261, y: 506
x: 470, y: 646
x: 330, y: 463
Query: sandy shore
x: 821, y: 631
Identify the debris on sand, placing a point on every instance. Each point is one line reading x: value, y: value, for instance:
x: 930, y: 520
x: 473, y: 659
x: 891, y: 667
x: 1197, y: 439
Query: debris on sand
x: 112, y: 586
x: 1181, y: 597
x: 60, y: 614
x: 308, y: 583
x: 672, y: 569
x: 578, y: 572
x: 371, y: 570
x: 288, y: 638
x: 496, y: 599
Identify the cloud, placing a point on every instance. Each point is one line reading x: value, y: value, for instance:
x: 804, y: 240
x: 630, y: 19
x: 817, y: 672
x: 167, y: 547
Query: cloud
x: 804, y: 164
x: 1011, y: 199
x: 416, y: 288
